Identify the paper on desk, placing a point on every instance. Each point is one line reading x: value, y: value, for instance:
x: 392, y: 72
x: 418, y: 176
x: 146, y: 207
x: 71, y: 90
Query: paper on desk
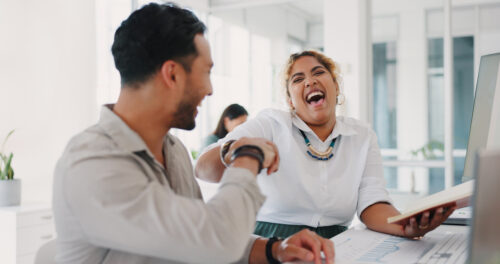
x: 365, y: 246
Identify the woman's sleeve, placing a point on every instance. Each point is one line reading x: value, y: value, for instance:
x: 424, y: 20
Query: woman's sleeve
x: 372, y: 187
x: 260, y: 126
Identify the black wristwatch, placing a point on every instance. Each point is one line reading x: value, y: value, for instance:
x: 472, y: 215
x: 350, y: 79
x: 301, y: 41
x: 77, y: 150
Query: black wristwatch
x: 249, y: 151
x: 269, y: 250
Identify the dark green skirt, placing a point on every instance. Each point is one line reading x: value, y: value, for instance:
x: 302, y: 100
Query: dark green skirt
x: 266, y: 229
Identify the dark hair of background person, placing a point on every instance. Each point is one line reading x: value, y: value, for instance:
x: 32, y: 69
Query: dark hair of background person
x: 152, y: 35
x: 232, y: 111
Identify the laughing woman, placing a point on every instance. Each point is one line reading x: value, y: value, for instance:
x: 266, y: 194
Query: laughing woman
x: 330, y: 166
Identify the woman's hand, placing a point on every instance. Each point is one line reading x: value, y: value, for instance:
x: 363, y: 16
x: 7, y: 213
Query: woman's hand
x: 416, y: 229
x: 271, y: 155
x: 304, y: 246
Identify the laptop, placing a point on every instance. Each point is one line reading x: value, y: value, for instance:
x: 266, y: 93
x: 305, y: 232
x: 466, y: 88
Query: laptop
x: 485, y: 232
x: 485, y: 124
x: 480, y: 243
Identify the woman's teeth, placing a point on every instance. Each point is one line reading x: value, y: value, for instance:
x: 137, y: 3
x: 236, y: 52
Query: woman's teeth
x: 314, y: 96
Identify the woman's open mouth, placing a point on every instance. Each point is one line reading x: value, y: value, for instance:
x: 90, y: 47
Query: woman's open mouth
x: 315, y: 98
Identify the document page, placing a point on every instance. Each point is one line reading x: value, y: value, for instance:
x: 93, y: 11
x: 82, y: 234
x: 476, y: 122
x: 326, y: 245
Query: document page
x: 445, y: 245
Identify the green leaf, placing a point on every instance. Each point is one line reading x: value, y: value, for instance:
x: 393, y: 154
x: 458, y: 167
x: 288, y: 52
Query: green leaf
x: 7, y: 173
x: 5, y: 140
x: 6, y: 170
x: 194, y: 154
x: 10, y: 174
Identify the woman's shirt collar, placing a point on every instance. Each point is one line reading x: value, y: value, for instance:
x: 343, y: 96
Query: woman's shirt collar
x: 340, y: 128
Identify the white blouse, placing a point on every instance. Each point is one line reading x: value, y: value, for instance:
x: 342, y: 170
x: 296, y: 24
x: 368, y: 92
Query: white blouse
x: 306, y: 191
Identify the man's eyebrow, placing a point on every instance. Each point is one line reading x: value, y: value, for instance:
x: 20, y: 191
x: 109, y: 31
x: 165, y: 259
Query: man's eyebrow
x: 297, y: 74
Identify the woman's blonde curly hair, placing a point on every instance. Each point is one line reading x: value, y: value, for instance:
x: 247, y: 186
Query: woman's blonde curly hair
x: 328, y: 63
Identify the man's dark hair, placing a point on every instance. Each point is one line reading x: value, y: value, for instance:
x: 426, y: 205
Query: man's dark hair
x: 152, y: 35
x: 232, y: 111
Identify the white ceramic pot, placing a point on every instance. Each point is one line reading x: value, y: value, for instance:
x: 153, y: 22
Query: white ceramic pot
x: 10, y: 192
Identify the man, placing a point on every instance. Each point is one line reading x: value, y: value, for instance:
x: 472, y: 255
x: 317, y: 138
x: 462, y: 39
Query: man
x: 124, y: 189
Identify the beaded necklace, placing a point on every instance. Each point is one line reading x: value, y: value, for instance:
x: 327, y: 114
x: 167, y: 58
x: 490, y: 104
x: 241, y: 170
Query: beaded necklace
x: 326, y: 155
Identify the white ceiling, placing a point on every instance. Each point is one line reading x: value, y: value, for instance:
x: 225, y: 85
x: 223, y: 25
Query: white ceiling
x: 312, y: 10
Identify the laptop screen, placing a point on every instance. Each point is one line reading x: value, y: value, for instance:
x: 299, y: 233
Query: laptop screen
x: 485, y: 124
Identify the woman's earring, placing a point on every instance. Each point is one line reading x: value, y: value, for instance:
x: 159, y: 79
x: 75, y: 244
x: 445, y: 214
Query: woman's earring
x: 340, y: 99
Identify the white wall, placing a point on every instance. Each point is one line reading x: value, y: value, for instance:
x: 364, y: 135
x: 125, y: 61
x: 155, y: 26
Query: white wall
x: 48, y: 80
x: 315, y: 35
x: 272, y: 22
x: 345, y: 40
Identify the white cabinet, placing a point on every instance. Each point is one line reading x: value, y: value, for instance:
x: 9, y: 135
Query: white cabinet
x: 23, y: 229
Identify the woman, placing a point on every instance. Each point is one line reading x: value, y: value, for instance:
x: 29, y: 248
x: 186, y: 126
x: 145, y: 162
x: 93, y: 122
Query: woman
x: 330, y: 168
x: 231, y: 117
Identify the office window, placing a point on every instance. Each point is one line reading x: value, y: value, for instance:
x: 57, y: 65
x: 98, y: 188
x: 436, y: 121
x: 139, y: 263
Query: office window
x: 384, y: 105
x: 463, y: 99
x: 411, y: 134
x: 384, y: 94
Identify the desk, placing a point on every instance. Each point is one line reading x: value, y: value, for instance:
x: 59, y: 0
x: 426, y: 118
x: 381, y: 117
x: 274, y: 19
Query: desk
x: 446, y: 244
x: 23, y: 229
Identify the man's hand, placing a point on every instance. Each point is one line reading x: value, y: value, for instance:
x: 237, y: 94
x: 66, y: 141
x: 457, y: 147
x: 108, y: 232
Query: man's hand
x: 415, y: 229
x: 304, y: 246
x: 271, y: 156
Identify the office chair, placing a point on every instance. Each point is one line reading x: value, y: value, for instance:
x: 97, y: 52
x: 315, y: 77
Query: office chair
x: 46, y: 253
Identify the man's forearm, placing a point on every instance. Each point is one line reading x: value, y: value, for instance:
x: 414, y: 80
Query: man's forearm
x: 209, y: 167
x: 258, y: 253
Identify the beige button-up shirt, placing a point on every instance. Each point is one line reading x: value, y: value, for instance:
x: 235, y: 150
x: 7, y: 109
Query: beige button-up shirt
x: 114, y: 203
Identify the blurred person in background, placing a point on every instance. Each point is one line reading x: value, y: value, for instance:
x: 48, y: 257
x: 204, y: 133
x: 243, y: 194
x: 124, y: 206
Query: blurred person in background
x: 233, y: 116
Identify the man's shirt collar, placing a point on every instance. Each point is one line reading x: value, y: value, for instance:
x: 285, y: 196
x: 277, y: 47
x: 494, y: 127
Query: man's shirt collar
x: 122, y: 134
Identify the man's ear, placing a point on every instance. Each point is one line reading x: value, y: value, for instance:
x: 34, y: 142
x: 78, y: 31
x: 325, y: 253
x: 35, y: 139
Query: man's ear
x: 171, y: 73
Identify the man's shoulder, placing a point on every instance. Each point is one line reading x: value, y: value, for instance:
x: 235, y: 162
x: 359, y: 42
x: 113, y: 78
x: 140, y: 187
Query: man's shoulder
x: 92, y: 142
x: 93, y: 138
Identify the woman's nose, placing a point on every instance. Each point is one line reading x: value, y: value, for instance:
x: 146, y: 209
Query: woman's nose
x: 310, y: 81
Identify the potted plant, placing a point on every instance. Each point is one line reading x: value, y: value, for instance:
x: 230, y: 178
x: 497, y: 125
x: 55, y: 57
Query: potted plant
x: 428, y: 153
x: 10, y: 188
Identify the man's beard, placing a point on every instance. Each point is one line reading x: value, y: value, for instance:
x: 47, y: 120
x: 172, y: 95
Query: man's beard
x: 184, y: 116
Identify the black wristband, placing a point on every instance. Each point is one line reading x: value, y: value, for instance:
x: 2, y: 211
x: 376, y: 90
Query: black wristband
x: 269, y: 250
x: 249, y: 151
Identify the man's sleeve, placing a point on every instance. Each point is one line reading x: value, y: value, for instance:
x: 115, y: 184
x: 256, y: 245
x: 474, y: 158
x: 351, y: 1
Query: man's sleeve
x: 123, y: 210
x: 248, y: 249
